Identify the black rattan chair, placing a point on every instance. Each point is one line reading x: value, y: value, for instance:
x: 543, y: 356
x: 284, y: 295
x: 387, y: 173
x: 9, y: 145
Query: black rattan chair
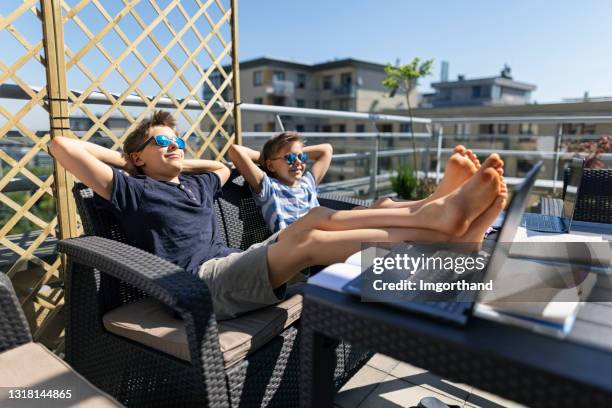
x: 104, y: 272
x: 31, y: 366
x: 595, y: 197
x: 13, y: 325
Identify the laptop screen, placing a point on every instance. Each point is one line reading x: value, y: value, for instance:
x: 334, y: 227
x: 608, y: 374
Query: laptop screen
x: 571, y: 191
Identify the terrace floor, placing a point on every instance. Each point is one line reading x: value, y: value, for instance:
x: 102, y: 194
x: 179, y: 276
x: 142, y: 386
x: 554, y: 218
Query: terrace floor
x: 388, y: 383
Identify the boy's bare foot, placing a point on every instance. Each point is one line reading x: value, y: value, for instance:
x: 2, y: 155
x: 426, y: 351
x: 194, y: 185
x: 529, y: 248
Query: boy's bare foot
x: 475, y: 234
x: 454, y: 213
x: 462, y: 165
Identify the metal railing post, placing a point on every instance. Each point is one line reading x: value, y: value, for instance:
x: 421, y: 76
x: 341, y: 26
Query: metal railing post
x: 425, y: 162
x: 558, y: 139
x: 440, y: 133
x: 374, y: 164
x: 279, y: 123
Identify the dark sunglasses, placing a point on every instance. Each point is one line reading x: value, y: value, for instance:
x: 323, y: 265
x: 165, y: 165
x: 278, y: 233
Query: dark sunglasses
x: 163, y: 141
x: 292, y: 157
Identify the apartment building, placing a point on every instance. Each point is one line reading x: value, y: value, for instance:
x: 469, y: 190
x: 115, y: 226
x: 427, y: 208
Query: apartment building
x: 527, y: 135
x: 491, y: 91
x: 346, y: 84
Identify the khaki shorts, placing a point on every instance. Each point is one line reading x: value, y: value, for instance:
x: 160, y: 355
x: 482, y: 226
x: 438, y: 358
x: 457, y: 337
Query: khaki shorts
x: 239, y: 282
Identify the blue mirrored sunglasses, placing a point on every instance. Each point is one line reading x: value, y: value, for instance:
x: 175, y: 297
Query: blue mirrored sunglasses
x: 292, y: 157
x: 163, y: 141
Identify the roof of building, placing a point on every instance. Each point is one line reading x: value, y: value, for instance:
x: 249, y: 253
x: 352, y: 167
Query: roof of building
x: 498, y: 80
x: 346, y: 62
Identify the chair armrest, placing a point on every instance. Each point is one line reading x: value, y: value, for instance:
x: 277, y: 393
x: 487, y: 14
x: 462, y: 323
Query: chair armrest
x: 170, y: 284
x: 339, y: 202
x: 15, y: 330
x: 158, y: 277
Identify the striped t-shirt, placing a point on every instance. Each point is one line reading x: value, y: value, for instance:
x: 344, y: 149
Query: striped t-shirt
x: 282, y: 205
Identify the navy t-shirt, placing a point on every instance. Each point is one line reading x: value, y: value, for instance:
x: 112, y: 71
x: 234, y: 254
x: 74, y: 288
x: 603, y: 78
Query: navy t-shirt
x: 173, y: 221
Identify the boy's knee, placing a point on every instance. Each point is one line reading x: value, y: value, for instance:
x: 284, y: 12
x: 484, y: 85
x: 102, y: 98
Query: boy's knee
x: 320, y: 213
x: 382, y: 202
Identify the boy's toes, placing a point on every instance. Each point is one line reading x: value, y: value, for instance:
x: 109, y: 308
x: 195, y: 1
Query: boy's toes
x: 459, y: 149
x: 493, y: 161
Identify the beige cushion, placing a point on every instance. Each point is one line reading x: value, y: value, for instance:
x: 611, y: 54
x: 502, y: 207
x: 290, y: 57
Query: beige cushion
x: 150, y: 323
x: 32, y: 367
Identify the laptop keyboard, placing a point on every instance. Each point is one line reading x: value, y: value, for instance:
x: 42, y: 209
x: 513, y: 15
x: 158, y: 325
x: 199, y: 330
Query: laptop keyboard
x: 537, y: 222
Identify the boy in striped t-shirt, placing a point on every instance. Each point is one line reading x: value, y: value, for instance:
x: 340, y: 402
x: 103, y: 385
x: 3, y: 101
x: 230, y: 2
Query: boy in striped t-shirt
x: 284, y: 189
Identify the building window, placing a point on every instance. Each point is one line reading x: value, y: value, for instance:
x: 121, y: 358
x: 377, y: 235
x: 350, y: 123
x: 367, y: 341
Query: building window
x: 258, y: 101
x: 346, y: 79
x: 301, y: 81
x: 278, y: 101
x: 485, y: 91
x: 257, y: 78
x: 279, y: 75
x: 404, y: 128
x: 588, y: 129
x: 575, y: 129
x: 462, y: 131
x: 299, y: 128
x: 525, y: 129
x: 502, y: 128
x: 486, y: 129
x: 523, y: 166
x: 300, y: 103
x: 360, y: 128
x: 343, y: 105
x: 476, y: 91
x: 317, y: 104
x: 443, y: 95
x: 326, y: 128
x: 386, y: 128
x: 327, y: 82
x: 326, y: 104
x: 342, y: 128
x: 215, y: 79
x: 258, y: 127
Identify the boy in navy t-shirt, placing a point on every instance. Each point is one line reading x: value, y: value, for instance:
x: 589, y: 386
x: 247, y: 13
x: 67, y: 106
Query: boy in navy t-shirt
x: 166, y: 207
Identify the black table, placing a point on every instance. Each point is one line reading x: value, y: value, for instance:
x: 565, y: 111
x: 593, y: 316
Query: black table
x: 511, y: 362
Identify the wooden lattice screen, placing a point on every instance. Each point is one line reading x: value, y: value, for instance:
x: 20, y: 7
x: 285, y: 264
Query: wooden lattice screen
x: 92, y: 69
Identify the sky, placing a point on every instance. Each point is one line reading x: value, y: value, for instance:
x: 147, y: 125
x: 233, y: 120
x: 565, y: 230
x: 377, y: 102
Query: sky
x: 563, y: 47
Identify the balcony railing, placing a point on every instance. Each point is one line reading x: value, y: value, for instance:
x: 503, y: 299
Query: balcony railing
x: 281, y: 88
x: 434, y: 145
x: 346, y: 90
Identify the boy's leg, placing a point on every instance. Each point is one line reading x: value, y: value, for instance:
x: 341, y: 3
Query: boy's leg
x: 462, y: 165
x: 316, y: 247
x: 450, y: 215
x: 307, y: 247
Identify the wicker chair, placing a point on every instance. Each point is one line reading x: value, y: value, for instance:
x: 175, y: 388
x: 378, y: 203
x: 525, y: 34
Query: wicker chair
x: 105, y: 273
x: 595, y: 197
x: 30, y: 366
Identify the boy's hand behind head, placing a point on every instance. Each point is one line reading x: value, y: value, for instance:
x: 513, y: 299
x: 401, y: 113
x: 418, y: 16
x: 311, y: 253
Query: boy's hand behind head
x: 129, y: 166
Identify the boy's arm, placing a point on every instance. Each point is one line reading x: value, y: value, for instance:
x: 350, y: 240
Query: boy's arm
x: 89, y: 162
x: 245, y: 160
x: 322, y: 155
x: 201, y: 166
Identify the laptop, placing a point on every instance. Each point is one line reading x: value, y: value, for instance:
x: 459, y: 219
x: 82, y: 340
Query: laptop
x: 452, y: 307
x: 552, y: 223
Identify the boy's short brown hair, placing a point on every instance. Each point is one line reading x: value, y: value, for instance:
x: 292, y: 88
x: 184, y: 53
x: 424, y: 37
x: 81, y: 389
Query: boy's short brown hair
x: 273, y: 145
x: 135, y: 139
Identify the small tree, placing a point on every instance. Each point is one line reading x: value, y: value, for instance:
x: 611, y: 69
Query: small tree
x: 405, y: 78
